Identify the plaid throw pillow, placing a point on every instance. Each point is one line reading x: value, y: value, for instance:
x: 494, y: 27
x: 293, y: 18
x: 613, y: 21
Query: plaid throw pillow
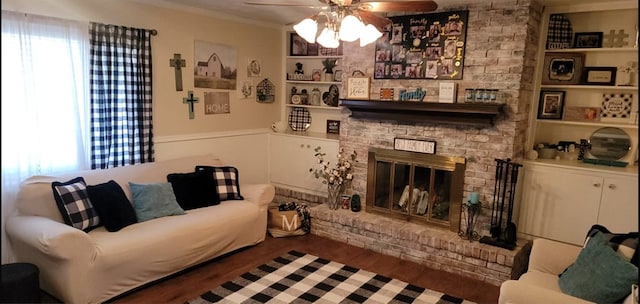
x: 74, y: 205
x: 227, y: 181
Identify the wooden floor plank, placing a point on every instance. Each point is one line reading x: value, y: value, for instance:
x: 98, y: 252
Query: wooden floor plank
x: 190, y: 284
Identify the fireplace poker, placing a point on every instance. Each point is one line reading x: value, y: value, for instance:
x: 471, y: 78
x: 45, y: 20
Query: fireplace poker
x: 495, y: 229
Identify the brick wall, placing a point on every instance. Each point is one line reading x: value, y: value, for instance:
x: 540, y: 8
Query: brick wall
x: 501, y: 43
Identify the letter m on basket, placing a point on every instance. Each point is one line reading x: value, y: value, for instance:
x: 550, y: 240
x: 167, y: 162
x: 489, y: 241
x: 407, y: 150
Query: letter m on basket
x: 284, y: 223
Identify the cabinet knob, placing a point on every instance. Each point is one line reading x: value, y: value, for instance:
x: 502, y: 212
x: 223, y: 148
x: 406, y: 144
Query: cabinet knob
x: 597, y: 185
x: 612, y: 186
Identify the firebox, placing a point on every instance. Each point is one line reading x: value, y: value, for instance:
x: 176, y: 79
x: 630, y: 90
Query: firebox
x: 416, y: 186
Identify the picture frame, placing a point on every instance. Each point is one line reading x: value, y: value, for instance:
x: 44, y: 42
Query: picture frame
x: 297, y: 45
x: 562, y: 68
x: 599, y: 76
x: 358, y: 87
x: 551, y: 105
x: 587, y: 40
x: 387, y: 93
x: 333, y: 126
x: 337, y: 75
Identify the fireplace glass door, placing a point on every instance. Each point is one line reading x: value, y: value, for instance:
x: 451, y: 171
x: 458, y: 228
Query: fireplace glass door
x: 415, y: 189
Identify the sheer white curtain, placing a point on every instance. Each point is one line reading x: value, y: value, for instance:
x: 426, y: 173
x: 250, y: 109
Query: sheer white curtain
x: 45, y: 102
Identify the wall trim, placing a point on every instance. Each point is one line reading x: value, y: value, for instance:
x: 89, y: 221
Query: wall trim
x: 210, y: 135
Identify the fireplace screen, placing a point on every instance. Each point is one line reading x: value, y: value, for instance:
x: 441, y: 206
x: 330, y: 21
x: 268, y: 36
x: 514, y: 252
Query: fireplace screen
x: 416, y: 186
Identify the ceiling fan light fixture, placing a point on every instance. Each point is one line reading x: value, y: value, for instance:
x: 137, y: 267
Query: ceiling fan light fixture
x: 351, y: 28
x: 369, y: 35
x: 328, y: 38
x: 307, y: 29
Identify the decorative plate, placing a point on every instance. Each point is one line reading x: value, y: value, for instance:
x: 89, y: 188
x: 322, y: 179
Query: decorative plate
x: 299, y: 119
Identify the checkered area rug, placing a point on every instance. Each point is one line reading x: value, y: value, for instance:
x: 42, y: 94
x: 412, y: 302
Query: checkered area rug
x: 303, y: 278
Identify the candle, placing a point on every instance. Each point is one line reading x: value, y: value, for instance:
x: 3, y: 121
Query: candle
x: 473, y: 198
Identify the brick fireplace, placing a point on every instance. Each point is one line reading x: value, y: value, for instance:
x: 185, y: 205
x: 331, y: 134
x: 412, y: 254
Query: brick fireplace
x: 502, y: 39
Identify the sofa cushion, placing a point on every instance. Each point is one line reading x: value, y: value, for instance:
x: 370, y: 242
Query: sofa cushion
x: 599, y: 274
x: 624, y: 244
x: 74, y: 205
x: 194, y: 189
x: 227, y: 179
x: 113, y: 206
x: 154, y: 200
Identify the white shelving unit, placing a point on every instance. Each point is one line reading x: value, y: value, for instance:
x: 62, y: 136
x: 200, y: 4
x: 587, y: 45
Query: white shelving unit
x: 562, y: 198
x: 593, y: 17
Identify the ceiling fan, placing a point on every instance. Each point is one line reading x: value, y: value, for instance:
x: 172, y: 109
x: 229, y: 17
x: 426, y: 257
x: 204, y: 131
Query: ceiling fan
x: 349, y: 20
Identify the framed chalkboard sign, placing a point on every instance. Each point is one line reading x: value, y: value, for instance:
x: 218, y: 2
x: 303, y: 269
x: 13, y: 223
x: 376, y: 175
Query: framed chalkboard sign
x: 333, y: 126
x: 425, y: 46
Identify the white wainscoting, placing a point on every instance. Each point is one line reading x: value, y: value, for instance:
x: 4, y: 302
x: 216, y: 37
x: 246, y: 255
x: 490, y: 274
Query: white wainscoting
x: 247, y: 150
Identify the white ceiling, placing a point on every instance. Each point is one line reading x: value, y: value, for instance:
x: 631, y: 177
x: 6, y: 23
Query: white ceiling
x: 281, y: 15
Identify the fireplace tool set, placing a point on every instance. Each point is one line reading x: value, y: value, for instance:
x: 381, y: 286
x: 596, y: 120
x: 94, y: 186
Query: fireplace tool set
x: 503, y: 230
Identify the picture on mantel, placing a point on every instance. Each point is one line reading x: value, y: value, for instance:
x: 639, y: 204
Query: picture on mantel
x: 425, y: 46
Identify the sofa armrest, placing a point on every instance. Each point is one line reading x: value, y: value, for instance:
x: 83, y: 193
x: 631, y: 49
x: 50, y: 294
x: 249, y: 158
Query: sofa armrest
x: 551, y: 256
x: 48, y: 238
x: 261, y: 194
x: 513, y: 291
x: 63, y: 254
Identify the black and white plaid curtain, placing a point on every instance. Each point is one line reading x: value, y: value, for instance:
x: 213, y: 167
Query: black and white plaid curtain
x: 121, y: 120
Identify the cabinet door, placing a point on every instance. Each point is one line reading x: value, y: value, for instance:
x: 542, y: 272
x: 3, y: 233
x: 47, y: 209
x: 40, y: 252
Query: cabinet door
x: 619, y: 206
x: 292, y: 157
x: 559, y: 204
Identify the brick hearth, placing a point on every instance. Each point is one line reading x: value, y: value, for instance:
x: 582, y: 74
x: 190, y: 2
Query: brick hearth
x: 430, y: 246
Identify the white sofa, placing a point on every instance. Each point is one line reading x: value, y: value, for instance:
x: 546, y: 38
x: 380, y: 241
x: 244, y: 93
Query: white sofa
x: 539, y: 284
x: 80, y: 267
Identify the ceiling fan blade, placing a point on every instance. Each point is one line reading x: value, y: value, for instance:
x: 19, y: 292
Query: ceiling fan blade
x: 371, y: 18
x: 285, y: 4
x: 401, y: 6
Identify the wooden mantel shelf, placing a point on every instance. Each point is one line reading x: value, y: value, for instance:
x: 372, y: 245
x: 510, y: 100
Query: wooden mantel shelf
x: 469, y: 114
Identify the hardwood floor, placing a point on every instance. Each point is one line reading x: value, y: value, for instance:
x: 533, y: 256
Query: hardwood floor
x: 192, y: 283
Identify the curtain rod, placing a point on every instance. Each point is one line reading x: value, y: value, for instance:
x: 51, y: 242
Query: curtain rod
x: 153, y: 32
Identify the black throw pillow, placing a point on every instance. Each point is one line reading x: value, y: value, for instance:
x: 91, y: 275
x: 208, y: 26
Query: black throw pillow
x: 194, y: 190
x: 112, y: 205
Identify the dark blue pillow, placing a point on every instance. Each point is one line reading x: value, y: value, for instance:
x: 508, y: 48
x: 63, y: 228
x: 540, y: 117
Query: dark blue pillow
x: 194, y: 190
x: 113, y: 206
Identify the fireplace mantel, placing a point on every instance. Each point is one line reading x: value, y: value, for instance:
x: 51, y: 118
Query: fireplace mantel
x: 470, y: 114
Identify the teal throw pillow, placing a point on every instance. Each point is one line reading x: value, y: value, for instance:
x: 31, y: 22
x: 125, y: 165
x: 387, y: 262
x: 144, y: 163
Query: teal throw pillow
x: 599, y: 274
x: 154, y: 201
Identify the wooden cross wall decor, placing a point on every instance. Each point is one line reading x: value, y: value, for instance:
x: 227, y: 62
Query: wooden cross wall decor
x: 190, y: 99
x: 178, y: 63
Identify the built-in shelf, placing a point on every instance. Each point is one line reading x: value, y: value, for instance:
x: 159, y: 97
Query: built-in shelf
x: 593, y: 50
x: 589, y: 123
x: 589, y: 87
x: 471, y: 114
x: 328, y: 108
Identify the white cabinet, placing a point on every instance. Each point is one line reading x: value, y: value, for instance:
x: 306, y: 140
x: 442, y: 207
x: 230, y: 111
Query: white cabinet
x: 291, y: 157
x: 562, y: 203
x: 619, y: 207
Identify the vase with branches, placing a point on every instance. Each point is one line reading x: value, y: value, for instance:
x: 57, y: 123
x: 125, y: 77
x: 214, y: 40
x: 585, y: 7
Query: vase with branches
x: 335, y: 176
